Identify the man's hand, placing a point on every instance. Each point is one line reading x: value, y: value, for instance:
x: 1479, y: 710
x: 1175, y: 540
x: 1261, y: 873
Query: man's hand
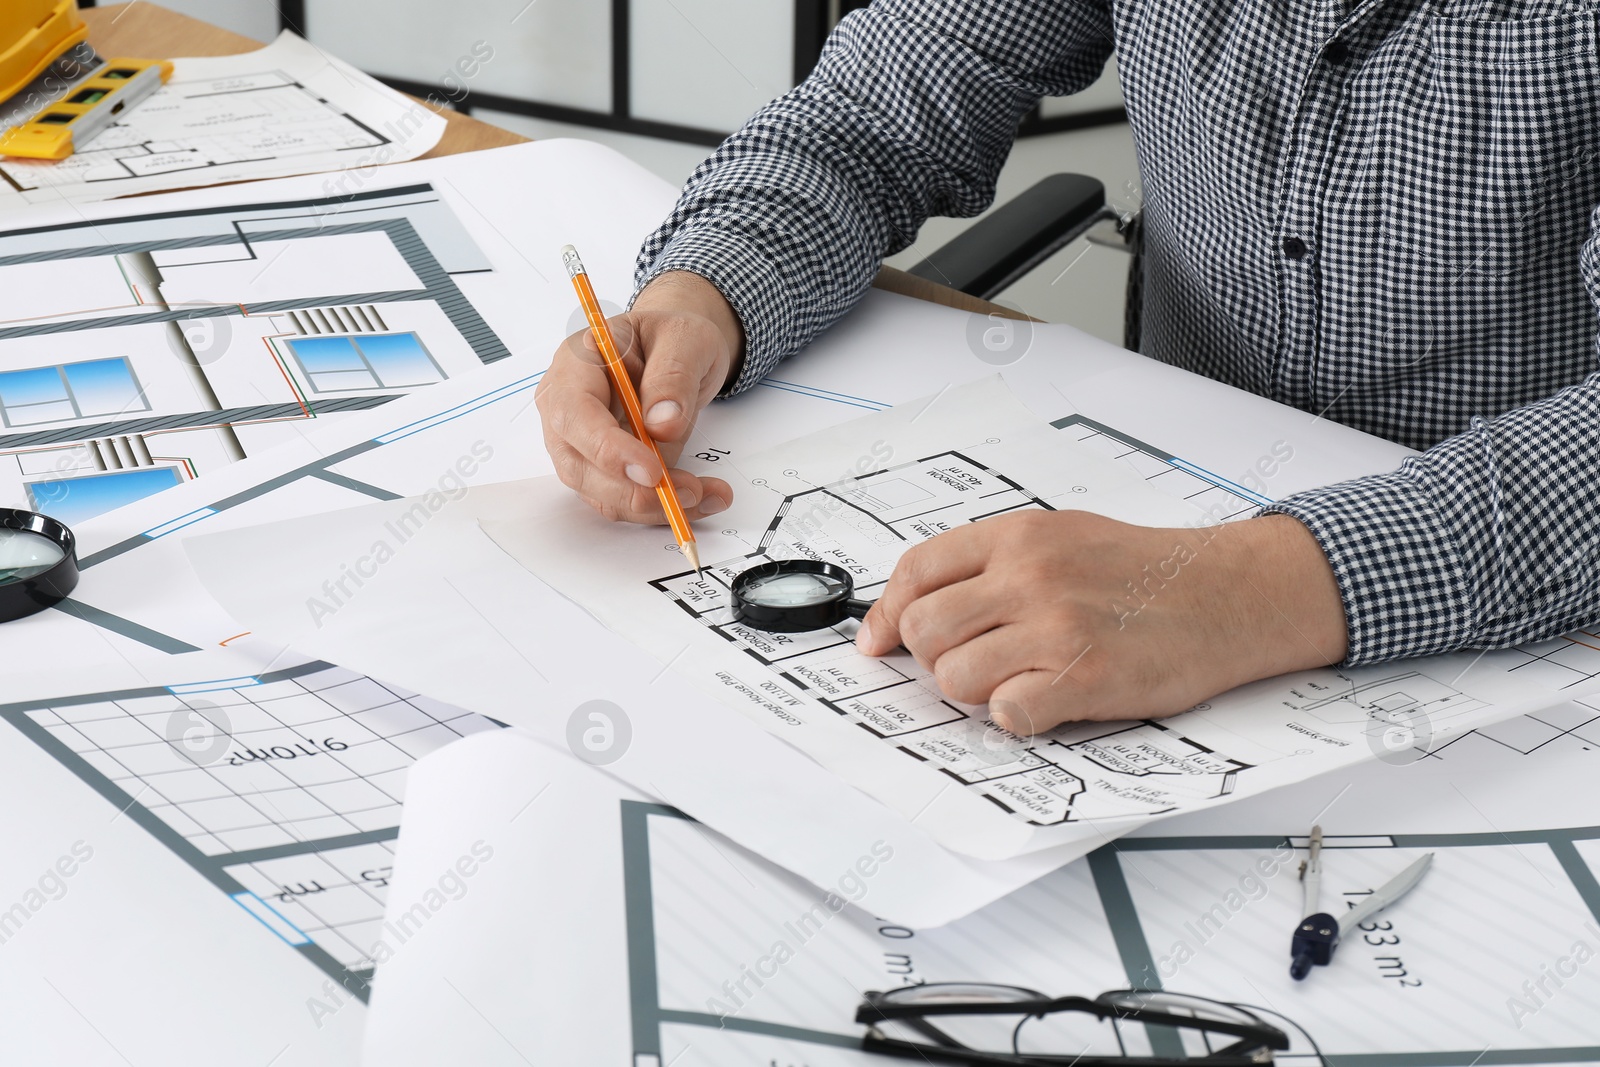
x: 682, y: 343
x: 1053, y: 616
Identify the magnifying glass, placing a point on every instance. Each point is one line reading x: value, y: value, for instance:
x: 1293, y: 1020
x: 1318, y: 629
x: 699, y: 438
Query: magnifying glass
x: 38, y: 563
x: 794, y: 596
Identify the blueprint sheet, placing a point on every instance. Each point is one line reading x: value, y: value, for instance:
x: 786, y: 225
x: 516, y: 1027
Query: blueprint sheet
x: 152, y: 342
x: 970, y: 453
x: 287, y: 108
x: 410, y: 449
x: 198, y: 855
x: 451, y: 611
x: 442, y: 596
x: 279, y: 312
x: 233, y: 804
x: 666, y: 944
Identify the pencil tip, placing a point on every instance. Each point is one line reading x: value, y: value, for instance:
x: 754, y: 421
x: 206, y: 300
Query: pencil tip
x: 692, y: 554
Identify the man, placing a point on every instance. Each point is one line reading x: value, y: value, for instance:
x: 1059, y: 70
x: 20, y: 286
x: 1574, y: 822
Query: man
x: 1374, y: 210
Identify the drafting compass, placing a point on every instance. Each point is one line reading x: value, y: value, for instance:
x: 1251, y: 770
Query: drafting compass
x: 1317, y: 935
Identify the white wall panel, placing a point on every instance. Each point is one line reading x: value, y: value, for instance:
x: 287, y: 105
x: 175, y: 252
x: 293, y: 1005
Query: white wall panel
x: 553, y: 51
x: 253, y: 18
x: 710, y: 63
x: 700, y: 63
x: 1105, y: 93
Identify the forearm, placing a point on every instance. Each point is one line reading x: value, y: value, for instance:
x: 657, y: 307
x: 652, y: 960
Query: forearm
x: 1271, y: 591
x: 1489, y: 539
x: 910, y: 112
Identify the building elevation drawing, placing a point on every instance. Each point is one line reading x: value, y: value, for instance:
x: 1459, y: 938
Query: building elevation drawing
x: 158, y: 348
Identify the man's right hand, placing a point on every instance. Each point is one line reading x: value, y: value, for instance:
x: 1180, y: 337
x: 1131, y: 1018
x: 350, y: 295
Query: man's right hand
x: 682, y: 343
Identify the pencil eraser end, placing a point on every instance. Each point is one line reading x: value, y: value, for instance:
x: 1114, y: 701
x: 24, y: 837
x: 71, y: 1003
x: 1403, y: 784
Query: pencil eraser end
x: 569, y: 257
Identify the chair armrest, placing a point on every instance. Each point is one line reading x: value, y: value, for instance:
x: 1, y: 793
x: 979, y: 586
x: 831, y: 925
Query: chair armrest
x: 1000, y: 248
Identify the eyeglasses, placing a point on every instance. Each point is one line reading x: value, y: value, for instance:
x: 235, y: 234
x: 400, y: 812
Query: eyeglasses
x: 1009, y: 1026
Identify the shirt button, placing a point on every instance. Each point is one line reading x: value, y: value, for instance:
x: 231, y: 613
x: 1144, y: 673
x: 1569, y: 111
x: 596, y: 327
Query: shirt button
x: 1337, y: 54
x: 1294, y: 248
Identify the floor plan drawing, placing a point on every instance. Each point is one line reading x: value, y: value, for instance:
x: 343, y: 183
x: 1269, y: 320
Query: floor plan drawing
x: 1148, y: 913
x: 1220, y: 499
x: 730, y: 960
x: 252, y: 322
x: 376, y: 467
x: 286, y: 108
x: 884, y: 724
x: 192, y: 126
x: 158, y: 348
x: 283, y: 790
x: 1075, y: 773
x: 1083, y: 772
x: 255, y: 322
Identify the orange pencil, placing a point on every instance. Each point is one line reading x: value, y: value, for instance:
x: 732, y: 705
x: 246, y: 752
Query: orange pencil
x: 630, y: 401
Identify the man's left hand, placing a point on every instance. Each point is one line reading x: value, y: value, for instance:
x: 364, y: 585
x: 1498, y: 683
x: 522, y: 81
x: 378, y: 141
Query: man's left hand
x: 1053, y: 616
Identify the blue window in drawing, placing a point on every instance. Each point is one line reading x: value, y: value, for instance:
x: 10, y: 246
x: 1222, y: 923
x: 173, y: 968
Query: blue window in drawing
x: 364, y: 361
x: 72, y: 500
x: 91, y: 389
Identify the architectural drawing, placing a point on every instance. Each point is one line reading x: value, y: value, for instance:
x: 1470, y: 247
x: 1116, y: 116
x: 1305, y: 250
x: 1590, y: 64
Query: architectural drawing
x: 262, y: 314
x: 192, y: 126
x: 282, y: 790
x: 1075, y: 773
x: 157, y: 348
x: 286, y: 108
x: 716, y: 979
x: 1220, y: 499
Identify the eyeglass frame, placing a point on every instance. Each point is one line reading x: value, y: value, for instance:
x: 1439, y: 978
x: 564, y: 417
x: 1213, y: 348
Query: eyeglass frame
x: 872, y: 1010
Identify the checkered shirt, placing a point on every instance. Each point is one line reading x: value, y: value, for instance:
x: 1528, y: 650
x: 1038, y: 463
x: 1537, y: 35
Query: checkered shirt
x: 1378, y: 211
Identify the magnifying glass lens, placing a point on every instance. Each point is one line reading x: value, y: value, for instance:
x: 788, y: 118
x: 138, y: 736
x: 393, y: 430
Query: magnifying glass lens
x: 794, y: 590
x: 25, y: 554
x: 38, y: 563
x: 794, y: 596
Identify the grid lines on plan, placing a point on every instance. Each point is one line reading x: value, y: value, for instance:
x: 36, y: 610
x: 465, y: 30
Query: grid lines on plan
x: 283, y: 790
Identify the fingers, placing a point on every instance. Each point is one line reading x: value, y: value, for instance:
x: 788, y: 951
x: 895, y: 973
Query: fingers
x: 678, y: 362
x: 574, y: 401
x: 996, y: 667
x: 622, y: 501
x: 674, y: 385
x: 1022, y: 705
x: 1047, y: 695
x: 971, y: 671
x: 950, y: 616
x: 949, y: 558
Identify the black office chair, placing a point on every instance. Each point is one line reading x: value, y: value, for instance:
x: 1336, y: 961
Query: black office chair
x: 1015, y: 238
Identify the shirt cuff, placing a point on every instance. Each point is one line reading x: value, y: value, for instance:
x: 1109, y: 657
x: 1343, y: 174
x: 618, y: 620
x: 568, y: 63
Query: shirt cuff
x: 747, y: 281
x: 1406, y: 591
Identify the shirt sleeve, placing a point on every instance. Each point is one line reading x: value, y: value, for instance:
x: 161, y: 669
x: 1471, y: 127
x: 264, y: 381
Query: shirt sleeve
x: 1489, y: 539
x: 910, y: 112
